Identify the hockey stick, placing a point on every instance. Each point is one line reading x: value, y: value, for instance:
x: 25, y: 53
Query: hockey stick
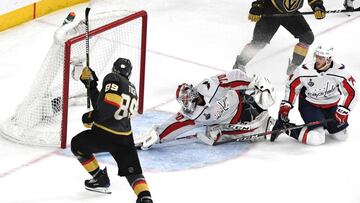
x: 87, y: 11
x: 138, y: 146
x: 250, y: 137
x: 309, y: 13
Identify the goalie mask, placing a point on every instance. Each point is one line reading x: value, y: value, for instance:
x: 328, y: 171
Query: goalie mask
x: 123, y: 67
x: 186, y: 95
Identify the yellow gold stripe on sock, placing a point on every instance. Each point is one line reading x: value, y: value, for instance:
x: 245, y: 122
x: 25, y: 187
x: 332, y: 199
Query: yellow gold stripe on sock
x: 301, y: 49
x: 91, y: 165
x: 140, y: 186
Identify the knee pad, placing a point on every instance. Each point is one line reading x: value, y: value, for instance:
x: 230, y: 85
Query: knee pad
x: 74, y: 146
x: 76, y: 149
x: 312, y: 137
x: 307, y: 37
x: 341, y: 135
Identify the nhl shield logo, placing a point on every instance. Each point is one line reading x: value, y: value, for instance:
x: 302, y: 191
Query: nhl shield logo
x: 311, y: 83
x: 292, y: 5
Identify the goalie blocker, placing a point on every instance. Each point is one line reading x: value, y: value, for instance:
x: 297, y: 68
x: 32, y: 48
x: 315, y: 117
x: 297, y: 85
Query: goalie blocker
x: 220, y: 103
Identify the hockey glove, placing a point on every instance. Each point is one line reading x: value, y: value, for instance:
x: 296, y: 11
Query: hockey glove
x: 283, y: 119
x: 257, y: 9
x: 88, y: 119
x: 284, y: 110
x: 279, y: 125
x: 88, y: 74
x: 341, y: 114
x: 319, y: 10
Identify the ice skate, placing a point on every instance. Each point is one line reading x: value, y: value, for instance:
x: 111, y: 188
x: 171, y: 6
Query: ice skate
x: 145, y: 199
x: 100, y: 183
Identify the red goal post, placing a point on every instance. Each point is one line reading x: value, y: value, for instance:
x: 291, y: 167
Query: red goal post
x: 41, y: 119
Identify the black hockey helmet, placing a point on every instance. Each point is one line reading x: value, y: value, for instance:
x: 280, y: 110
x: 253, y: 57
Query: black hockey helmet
x: 123, y: 67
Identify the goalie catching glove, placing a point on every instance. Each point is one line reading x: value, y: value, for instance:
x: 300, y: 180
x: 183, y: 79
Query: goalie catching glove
x: 262, y: 91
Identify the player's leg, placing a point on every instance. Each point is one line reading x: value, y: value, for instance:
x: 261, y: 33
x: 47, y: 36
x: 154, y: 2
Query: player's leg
x: 336, y: 130
x: 167, y: 131
x: 301, y: 30
x: 83, y: 146
x: 129, y: 166
x: 313, y: 135
x: 264, y: 31
x: 221, y: 133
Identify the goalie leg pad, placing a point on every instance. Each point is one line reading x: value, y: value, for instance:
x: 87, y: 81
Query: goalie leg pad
x: 244, y: 131
x: 212, y: 134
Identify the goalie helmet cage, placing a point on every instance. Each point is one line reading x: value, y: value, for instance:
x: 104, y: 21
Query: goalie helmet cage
x: 42, y: 118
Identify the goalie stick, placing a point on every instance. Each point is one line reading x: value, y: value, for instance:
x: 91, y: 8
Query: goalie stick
x: 250, y: 137
x: 309, y: 13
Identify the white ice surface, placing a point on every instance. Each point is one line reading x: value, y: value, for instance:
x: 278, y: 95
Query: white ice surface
x: 187, y: 41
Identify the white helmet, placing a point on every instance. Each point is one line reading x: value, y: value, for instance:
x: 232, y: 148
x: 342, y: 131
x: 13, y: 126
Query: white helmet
x: 324, y: 51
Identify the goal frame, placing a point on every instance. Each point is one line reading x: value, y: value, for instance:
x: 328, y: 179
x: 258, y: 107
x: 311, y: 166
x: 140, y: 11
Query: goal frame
x: 67, y: 55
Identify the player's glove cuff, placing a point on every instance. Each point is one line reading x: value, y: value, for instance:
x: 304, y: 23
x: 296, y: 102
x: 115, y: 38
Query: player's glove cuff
x: 88, y: 119
x: 319, y: 10
x: 257, y: 9
x: 89, y: 75
x: 342, y: 114
x: 284, y: 110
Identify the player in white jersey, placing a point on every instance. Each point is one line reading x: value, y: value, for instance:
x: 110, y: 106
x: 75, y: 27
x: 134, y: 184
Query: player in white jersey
x: 326, y: 91
x: 230, y: 98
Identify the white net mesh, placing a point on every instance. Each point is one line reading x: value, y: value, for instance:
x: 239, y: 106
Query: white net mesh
x: 37, y: 120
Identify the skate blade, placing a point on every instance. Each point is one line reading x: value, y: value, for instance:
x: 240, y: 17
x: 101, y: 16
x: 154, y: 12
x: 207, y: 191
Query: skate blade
x: 102, y: 190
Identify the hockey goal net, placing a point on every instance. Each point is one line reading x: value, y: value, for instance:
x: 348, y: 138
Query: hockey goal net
x: 41, y: 119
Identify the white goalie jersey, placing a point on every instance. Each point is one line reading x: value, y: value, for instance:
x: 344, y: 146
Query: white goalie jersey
x: 224, y: 103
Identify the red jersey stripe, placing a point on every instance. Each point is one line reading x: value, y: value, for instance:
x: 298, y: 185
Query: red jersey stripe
x: 236, y: 118
x: 234, y: 84
x: 351, y: 93
x: 174, y: 127
x: 293, y: 86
